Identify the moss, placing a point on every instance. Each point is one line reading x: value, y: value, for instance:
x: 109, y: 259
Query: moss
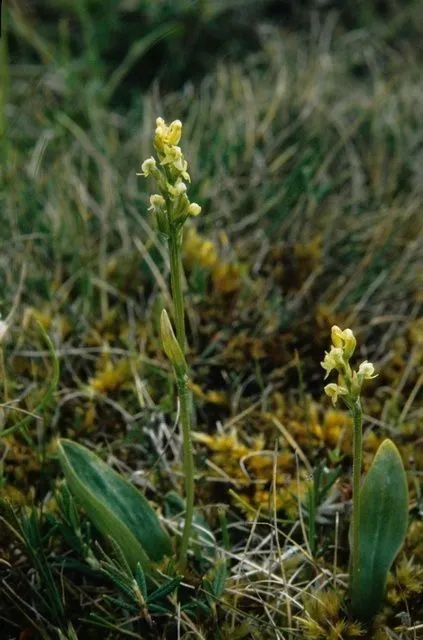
x: 414, y: 540
x: 324, y: 619
x: 405, y: 582
x: 110, y: 376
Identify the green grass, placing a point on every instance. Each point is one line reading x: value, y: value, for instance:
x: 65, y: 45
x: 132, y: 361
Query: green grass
x: 305, y: 153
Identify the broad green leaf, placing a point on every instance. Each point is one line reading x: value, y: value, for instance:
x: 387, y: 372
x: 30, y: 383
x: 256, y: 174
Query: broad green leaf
x: 114, y: 505
x: 383, y: 526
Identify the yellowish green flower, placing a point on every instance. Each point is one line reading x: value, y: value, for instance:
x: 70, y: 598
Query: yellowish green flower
x: 156, y: 202
x: 171, y: 206
x: 169, y: 135
x: 337, y: 359
x: 333, y: 360
x: 174, y: 132
x: 174, y: 158
x: 344, y: 340
x: 366, y: 370
x: 178, y: 189
x: 147, y: 167
x: 334, y: 391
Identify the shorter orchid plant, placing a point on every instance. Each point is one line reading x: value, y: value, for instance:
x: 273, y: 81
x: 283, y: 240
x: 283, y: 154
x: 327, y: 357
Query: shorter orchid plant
x: 380, y: 507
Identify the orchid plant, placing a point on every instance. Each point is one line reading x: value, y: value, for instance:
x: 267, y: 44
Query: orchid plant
x: 380, y: 507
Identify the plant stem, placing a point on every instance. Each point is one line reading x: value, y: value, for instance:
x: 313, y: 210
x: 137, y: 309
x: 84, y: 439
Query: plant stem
x: 185, y: 405
x: 176, y: 285
x: 355, y: 552
x: 183, y: 391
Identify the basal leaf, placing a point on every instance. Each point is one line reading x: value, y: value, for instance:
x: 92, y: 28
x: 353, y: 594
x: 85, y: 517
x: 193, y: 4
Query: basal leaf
x: 383, y: 526
x: 114, y: 505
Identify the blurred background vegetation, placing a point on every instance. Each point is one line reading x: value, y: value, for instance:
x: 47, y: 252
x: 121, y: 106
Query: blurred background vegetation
x: 123, y: 46
x: 289, y: 108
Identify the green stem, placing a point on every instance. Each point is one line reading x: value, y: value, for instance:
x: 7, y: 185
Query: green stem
x: 183, y: 391
x: 185, y: 406
x: 176, y: 285
x: 355, y: 552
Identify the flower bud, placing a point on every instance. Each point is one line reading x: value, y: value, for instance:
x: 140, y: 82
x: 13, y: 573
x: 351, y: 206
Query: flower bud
x: 174, y: 132
x: 170, y: 344
x: 194, y: 209
x: 343, y: 340
x: 336, y: 336
x: 349, y: 343
x: 160, y: 134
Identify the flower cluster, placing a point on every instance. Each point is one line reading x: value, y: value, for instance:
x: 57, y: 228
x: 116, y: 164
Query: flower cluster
x: 337, y: 359
x: 171, y: 206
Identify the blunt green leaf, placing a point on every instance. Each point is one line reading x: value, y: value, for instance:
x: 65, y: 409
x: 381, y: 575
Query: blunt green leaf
x: 383, y: 526
x: 114, y: 505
